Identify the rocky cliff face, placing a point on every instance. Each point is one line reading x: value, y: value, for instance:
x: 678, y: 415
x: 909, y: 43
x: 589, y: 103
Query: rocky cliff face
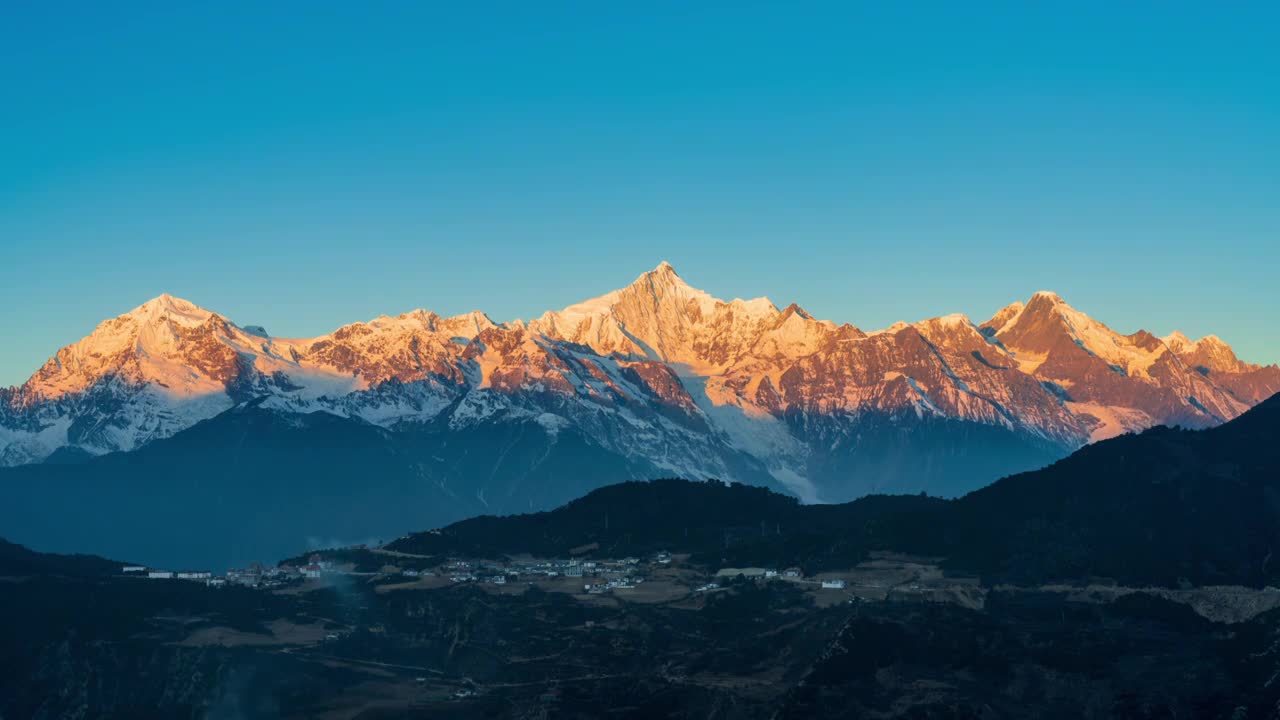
x: 661, y: 373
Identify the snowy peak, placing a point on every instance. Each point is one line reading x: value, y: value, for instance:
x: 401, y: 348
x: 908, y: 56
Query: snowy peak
x: 1002, y: 318
x: 1047, y: 296
x: 167, y: 308
x: 1048, y: 330
x: 465, y: 326
x: 1207, y: 353
x: 1044, y: 303
x: 794, y: 309
x: 661, y: 317
x: 954, y: 321
x: 1176, y: 341
x: 664, y: 355
x: 1047, y: 324
x: 1036, y: 327
x: 468, y: 324
x: 1216, y: 361
x: 787, y: 335
x: 661, y: 291
x: 664, y: 272
x: 1120, y: 382
x: 598, y: 322
x: 661, y: 280
x: 160, y: 341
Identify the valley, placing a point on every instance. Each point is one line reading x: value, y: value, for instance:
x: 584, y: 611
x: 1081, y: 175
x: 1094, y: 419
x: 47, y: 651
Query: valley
x: 902, y: 636
x: 1047, y: 594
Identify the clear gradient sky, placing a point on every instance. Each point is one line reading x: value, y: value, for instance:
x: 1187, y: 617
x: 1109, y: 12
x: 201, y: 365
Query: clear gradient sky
x: 304, y: 165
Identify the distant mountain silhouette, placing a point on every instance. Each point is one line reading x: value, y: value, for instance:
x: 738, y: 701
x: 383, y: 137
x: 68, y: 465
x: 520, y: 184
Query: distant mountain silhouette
x: 224, y: 492
x: 16, y: 560
x: 257, y: 484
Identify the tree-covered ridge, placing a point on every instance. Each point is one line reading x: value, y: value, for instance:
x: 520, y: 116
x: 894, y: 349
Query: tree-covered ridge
x: 1164, y: 507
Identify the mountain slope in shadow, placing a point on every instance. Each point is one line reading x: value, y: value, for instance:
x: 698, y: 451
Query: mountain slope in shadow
x: 252, y: 484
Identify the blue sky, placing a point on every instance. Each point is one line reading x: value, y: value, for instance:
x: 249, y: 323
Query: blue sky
x: 304, y: 165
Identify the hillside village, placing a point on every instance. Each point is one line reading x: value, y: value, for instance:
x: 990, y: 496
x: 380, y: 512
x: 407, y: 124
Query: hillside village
x: 660, y: 577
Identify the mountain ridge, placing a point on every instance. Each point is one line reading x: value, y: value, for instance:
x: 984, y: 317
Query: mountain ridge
x: 656, y: 371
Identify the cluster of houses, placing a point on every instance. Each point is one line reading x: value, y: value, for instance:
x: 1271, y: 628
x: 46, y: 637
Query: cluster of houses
x: 153, y: 574
x: 605, y: 575
x: 461, y: 571
x: 622, y: 583
x: 757, y: 573
x: 791, y: 573
x: 612, y: 574
x: 255, y: 575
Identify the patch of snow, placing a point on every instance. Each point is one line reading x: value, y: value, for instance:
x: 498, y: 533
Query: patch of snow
x: 891, y: 330
x: 798, y: 484
x: 553, y: 423
x: 1111, y: 421
x: 924, y: 397
x: 744, y: 426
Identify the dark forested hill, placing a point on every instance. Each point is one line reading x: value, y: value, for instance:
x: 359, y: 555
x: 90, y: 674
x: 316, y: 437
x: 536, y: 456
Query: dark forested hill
x: 16, y: 560
x: 1164, y: 507
x: 717, y: 522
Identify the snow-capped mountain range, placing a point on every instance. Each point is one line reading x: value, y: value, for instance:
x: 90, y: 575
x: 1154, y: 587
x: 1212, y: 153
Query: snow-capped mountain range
x: 661, y: 374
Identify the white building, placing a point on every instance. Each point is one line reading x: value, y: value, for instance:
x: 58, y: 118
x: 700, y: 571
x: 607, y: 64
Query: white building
x: 833, y: 584
x: 194, y: 575
x: 160, y: 575
x: 134, y: 569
